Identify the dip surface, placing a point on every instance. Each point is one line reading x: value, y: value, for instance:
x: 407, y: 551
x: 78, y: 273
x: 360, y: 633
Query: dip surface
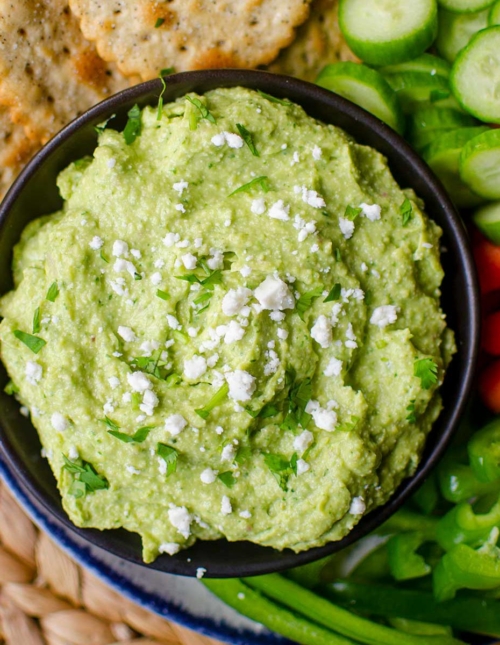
x: 243, y: 335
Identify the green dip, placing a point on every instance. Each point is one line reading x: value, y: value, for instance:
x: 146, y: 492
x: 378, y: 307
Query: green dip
x: 243, y: 335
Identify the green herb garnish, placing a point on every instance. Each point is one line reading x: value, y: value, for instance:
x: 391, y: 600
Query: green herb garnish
x: 262, y: 182
x: 269, y: 410
x: 411, y: 418
x: 338, y: 255
x: 52, y: 293
x: 104, y: 258
x: 202, y: 109
x: 11, y: 388
x: 227, y: 478
x: 100, y: 127
x: 153, y: 365
x: 294, y: 409
x: 138, y: 437
x: 216, y: 400
x: 281, y: 467
x: 426, y: 370
x: 36, y: 321
x: 169, y: 455
x: 349, y: 426
x: 406, y: 210
x: 244, y: 453
x: 248, y: 139
x: 351, y: 213
x: 164, y: 72
x: 111, y: 424
x: 334, y: 294
x: 85, y: 478
x: 306, y: 299
x: 32, y: 342
x: 163, y: 294
x: 159, y: 22
x: 273, y: 99
x: 133, y: 128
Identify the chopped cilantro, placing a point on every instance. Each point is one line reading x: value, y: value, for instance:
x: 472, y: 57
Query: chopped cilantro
x: 338, y: 255
x: 351, y: 213
x: 173, y: 379
x: 137, y: 276
x: 202, y: 109
x: 111, y: 424
x: 269, y: 410
x: 203, y: 298
x: 32, y: 342
x: 216, y: 400
x: 281, y: 467
x: 164, y: 72
x: 100, y: 127
x: 52, y: 293
x: 306, y: 299
x: 103, y: 257
x: 411, y: 418
x: 36, y: 321
x: 273, y: 99
x: 406, y: 210
x: 153, y: 365
x: 244, y: 453
x: 349, y: 426
x: 138, y: 437
x: 85, y: 478
x: 214, y: 277
x: 227, y: 478
x: 162, y: 294
x: 159, y: 22
x: 299, y: 395
x: 169, y: 455
x: 11, y: 388
x: 133, y: 128
x: 248, y: 139
x: 262, y: 182
x: 334, y: 293
x: 426, y: 370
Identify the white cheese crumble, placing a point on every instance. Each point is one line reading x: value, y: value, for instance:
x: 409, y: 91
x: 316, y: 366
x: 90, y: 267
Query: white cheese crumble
x: 175, y: 424
x: 241, y: 385
x: 316, y: 153
x: 195, y: 367
x: 246, y: 515
x: 171, y: 548
x: 156, y: 278
x: 277, y: 316
x: 171, y: 238
x: 132, y: 470
x: 149, y: 403
x: 371, y: 211
x: 282, y: 333
x: 279, y: 211
x: 111, y: 163
x: 232, y: 139
x: 149, y: 346
x: 225, y: 507
x: 346, y: 227
x: 114, y: 382
x: 96, y: 243
x: 334, y: 367
x: 234, y: 332
x: 273, y: 363
x: 302, y: 467
x: 427, y: 245
x: 217, y: 260
x: 234, y: 300
x: 384, y: 315
x: 120, y: 248
x: 358, y: 506
x: 124, y: 265
x: 208, y: 476
x: 136, y: 253
x: 323, y: 418
x: 180, y: 186
x: 139, y: 382
x: 73, y: 453
x: 181, y: 519
x: 172, y: 321
x: 189, y: 260
x: 59, y: 422
x: 245, y: 271
x: 274, y: 294
x: 312, y: 198
x: 228, y: 452
x: 180, y: 207
x: 351, y: 337
x: 321, y: 331
x: 302, y: 442
x: 258, y: 206
x: 33, y: 372
x: 127, y: 334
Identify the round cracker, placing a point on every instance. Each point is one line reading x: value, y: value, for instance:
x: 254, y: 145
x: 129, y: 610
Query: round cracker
x: 145, y: 36
x: 15, y: 150
x: 319, y: 41
x: 49, y: 73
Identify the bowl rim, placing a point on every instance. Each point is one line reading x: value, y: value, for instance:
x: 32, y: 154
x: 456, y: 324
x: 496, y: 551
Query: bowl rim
x: 280, y: 86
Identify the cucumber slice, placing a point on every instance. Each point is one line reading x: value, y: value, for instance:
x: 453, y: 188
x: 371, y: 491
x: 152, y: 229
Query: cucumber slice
x: 393, y: 31
x: 475, y: 76
x: 494, y: 15
x: 426, y: 63
x: 427, y: 123
x: 465, y: 6
x: 480, y: 164
x: 365, y: 87
x: 456, y: 30
x: 414, y: 87
x: 487, y: 219
x: 443, y: 156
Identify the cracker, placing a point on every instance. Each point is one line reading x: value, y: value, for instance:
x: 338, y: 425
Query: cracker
x: 49, y: 73
x: 15, y: 150
x: 319, y: 41
x: 144, y: 36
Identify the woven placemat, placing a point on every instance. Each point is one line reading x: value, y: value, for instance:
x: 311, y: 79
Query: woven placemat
x: 47, y: 599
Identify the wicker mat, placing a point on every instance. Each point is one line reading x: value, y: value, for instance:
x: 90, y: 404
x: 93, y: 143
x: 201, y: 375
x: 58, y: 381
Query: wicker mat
x: 46, y: 599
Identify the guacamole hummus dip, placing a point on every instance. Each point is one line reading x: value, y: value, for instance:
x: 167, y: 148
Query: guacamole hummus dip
x: 232, y: 327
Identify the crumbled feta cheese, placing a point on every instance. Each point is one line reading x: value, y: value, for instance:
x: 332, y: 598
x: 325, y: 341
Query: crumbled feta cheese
x: 73, y: 453
x: 273, y: 363
x: 258, y: 206
x: 149, y: 402
x: 321, y: 331
x: 279, y: 211
x: 276, y: 316
x: 427, y: 245
x: 351, y: 337
x: 274, y: 294
x: 171, y: 238
x: 111, y: 163
x: 149, y: 346
x: 195, y: 367
x: 334, y: 367
x: 180, y: 207
x: 59, y: 422
x: 127, y: 397
x: 171, y: 548
x: 218, y: 140
x: 282, y: 333
x: 96, y: 243
x: 241, y: 385
x: 120, y: 248
x: 316, y: 153
x: 114, y: 382
x: 156, y: 278
x: 234, y: 332
x: 219, y: 429
x: 358, y: 506
x: 323, y: 418
x: 228, y: 452
x: 346, y: 227
x: 302, y: 442
x: 314, y: 248
x: 132, y: 470
x: 225, y: 507
x: 212, y: 360
x: 136, y: 253
x: 189, y: 260
x: 181, y: 519
x: 118, y: 287
x: 172, y: 321
x: 371, y: 211
x: 208, y: 476
x: 180, y: 186
x: 175, y: 424
x: 108, y: 407
x: 192, y: 332
x: 384, y: 315
x: 312, y: 198
x: 33, y: 372
x: 233, y: 140
x: 302, y: 467
x: 217, y: 260
x: 235, y: 300
x: 245, y: 271
x: 124, y: 265
x: 127, y: 334
x: 364, y: 267
x: 198, y: 242
x: 246, y: 515
x: 295, y: 158
x: 139, y: 382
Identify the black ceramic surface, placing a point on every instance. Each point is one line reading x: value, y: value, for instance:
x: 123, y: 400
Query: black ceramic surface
x: 35, y: 193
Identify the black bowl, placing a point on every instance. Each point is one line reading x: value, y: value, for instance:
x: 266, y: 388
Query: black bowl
x: 35, y: 193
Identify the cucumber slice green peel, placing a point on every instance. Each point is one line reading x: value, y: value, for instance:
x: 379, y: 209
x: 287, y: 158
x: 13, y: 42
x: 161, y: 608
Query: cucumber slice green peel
x: 443, y: 156
x: 456, y: 30
x: 475, y: 76
x: 415, y: 87
x: 480, y: 164
x: 465, y: 6
x: 429, y: 122
x: 389, y: 32
x: 365, y: 87
x: 424, y: 63
x: 494, y: 15
x: 487, y: 219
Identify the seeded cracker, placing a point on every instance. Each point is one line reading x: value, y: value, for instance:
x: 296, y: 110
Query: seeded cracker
x: 49, y: 73
x: 15, y: 150
x: 144, y: 36
x: 319, y: 41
